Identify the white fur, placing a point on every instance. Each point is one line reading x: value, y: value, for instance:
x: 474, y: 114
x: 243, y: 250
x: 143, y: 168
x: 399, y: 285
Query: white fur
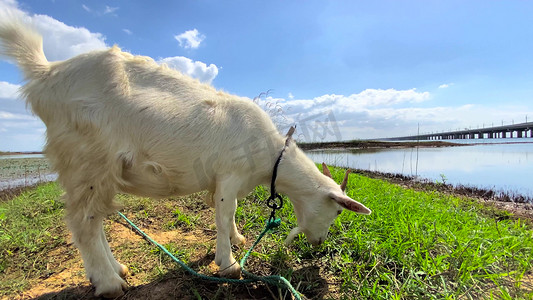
x: 122, y: 123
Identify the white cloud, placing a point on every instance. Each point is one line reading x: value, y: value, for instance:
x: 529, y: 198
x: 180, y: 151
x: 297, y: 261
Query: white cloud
x: 127, y: 31
x: 61, y: 41
x: 10, y: 101
x: 8, y: 90
x: 110, y: 10
x: 190, y: 39
x: 195, y: 69
x: 17, y: 124
x: 8, y: 4
x: 291, y: 96
x: 372, y: 97
x: 4, y: 115
x: 357, y: 102
x: 445, y: 85
x: 376, y: 114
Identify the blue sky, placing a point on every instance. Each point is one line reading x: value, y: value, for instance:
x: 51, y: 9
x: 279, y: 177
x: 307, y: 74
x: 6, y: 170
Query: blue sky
x: 377, y: 68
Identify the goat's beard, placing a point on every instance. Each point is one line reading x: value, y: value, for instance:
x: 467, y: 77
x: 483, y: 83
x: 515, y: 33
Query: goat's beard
x: 294, y: 232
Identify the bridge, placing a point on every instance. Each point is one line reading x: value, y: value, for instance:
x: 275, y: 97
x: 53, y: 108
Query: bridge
x: 521, y: 130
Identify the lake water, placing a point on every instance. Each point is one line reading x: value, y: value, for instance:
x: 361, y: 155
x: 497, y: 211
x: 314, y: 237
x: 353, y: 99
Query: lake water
x: 28, y: 181
x: 497, y: 166
x: 507, y: 167
x: 24, y: 170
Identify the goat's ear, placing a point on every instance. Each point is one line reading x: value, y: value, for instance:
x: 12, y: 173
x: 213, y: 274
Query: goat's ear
x: 350, y: 204
x: 345, y: 180
x: 325, y: 170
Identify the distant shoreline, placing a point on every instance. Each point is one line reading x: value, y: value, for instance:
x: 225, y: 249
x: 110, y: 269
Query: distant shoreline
x: 376, y: 145
x: 20, y: 152
x: 364, y: 144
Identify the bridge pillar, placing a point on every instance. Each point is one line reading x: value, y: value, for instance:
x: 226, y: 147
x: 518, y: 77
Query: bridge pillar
x: 519, y: 133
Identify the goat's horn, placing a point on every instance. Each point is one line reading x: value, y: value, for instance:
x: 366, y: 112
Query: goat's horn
x: 345, y: 180
x: 325, y: 170
x: 291, y: 131
x: 289, y: 135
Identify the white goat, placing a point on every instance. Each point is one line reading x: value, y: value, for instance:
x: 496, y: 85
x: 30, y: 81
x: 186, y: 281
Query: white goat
x: 122, y: 123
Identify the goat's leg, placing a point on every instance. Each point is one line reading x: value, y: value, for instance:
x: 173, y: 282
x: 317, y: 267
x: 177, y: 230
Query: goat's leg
x: 235, y: 237
x: 225, y: 198
x: 87, y: 234
x: 119, y: 268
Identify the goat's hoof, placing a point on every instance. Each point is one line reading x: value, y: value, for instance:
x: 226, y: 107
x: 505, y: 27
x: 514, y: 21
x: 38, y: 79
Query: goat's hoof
x: 238, y: 239
x: 124, y: 271
x: 232, y: 271
x: 110, y: 288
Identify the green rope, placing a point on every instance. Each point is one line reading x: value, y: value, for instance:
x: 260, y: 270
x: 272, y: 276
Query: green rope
x: 275, y: 280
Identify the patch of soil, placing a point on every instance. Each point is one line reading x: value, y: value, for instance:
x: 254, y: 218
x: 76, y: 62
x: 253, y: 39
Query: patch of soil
x: 10, y: 193
x: 154, y: 275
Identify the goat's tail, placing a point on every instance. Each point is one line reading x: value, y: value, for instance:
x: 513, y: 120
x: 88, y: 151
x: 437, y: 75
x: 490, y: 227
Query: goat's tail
x: 22, y: 43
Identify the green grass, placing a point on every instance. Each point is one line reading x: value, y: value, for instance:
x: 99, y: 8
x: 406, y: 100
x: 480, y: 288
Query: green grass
x: 415, y: 244
x: 31, y: 225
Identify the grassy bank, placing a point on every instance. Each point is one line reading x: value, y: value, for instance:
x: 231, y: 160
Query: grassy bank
x: 415, y: 245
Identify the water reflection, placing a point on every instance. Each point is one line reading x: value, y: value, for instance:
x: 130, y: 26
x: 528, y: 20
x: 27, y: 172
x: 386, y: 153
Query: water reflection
x: 24, y: 170
x: 28, y: 181
x: 506, y: 167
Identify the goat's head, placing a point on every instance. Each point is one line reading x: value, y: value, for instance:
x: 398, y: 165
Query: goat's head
x: 322, y: 206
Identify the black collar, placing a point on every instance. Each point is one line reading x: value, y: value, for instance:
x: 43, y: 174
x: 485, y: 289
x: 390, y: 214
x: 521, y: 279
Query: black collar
x: 271, y: 201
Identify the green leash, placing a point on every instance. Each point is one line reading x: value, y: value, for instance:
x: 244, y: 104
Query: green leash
x: 275, y: 280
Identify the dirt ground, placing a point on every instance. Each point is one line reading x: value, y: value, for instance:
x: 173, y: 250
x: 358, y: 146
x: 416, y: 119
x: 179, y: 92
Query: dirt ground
x: 67, y: 280
x: 153, y: 275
